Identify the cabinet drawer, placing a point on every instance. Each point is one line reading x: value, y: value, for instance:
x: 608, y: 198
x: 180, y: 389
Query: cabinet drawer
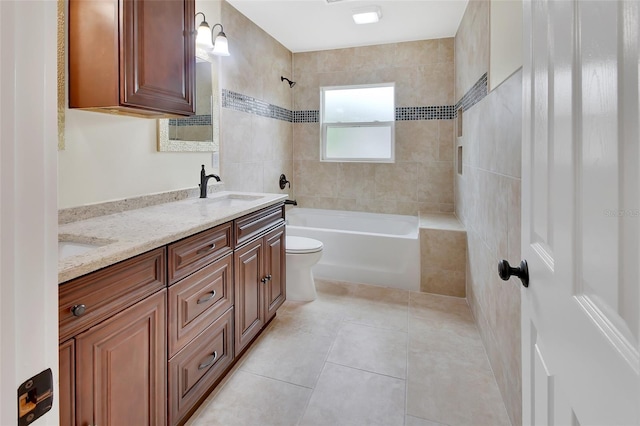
x: 108, y: 291
x: 192, y: 253
x: 196, y: 301
x: 194, y: 369
x: 253, y: 224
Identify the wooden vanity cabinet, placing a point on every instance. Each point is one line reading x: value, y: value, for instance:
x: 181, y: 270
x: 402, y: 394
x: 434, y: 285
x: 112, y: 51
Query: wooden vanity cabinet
x: 260, y: 285
x: 113, y: 344
x: 121, y: 367
x: 201, y: 300
x: 135, y: 57
x: 144, y: 341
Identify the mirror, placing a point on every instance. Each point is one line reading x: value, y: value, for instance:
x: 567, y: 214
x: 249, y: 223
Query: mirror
x: 200, y: 132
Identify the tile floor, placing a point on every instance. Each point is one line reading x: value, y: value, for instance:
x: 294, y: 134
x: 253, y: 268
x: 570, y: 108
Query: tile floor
x: 362, y: 355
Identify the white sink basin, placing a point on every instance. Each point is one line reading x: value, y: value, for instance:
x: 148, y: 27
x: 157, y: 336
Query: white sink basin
x: 228, y: 200
x: 68, y: 247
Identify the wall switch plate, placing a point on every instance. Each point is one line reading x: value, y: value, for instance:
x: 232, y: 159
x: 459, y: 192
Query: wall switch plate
x: 35, y: 397
x: 215, y: 161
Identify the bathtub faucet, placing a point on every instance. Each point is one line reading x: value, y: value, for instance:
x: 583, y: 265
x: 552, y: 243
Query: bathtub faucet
x: 292, y: 202
x: 203, y: 182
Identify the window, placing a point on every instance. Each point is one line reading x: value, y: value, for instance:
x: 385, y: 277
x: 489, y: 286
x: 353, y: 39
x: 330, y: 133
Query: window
x: 358, y: 123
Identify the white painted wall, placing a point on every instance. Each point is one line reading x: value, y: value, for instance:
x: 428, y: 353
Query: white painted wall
x: 109, y: 157
x: 505, y: 52
x: 28, y: 211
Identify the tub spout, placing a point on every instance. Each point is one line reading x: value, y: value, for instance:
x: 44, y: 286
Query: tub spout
x: 292, y: 202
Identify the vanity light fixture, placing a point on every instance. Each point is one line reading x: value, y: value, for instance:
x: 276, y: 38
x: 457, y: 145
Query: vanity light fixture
x: 218, y: 46
x: 367, y: 15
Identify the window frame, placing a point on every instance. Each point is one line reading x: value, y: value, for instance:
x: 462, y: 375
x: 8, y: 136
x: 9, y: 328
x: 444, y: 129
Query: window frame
x: 324, y: 126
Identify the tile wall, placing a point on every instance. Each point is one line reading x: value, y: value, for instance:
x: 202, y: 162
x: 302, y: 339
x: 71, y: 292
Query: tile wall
x: 421, y: 179
x: 487, y: 201
x: 254, y: 148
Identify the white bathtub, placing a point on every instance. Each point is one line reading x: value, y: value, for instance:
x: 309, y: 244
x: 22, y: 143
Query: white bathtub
x: 369, y: 248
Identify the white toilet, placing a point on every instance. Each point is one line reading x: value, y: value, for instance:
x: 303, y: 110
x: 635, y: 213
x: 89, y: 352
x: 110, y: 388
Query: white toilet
x: 302, y: 254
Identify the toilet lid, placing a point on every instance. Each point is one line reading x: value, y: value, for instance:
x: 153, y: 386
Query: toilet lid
x: 302, y: 245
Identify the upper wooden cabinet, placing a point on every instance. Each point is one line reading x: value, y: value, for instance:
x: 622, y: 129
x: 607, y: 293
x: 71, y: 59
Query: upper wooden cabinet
x: 135, y: 57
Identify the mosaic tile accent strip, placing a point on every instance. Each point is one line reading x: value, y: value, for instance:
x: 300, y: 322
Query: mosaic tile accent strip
x: 240, y: 102
x: 194, y: 120
x: 244, y: 103
x: 444, y: 112
x: 474, y: 95
x: 308, y: 116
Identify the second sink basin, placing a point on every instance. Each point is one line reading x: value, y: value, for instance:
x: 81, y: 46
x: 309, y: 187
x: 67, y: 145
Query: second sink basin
x: 69, y: 246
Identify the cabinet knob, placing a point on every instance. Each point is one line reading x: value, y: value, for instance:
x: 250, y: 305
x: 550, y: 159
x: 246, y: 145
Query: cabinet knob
x: 268, y: 277
x: 264, y: 280
x: 78, y: 310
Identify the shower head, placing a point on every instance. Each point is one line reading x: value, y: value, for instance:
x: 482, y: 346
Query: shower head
x: 291, y: 83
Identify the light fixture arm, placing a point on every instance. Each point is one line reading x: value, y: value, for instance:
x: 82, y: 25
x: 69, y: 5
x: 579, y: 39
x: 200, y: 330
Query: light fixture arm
x: 221, y: 28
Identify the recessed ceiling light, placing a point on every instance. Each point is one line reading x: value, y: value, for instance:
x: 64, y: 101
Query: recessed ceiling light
x: 367, y: 15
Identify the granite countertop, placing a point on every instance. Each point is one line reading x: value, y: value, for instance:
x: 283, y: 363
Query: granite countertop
x: 126, y: 234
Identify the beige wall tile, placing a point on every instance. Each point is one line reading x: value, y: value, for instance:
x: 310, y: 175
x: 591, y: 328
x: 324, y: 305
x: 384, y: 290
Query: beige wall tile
x: 446, y: 140
x: 435, y: 182
x: 356, y: 180
x: 396, y: 181
x: 488, y: 203
x: 418, y: 143
x: 314, y: 178
x: 440, y: 281
x: 254, y: 150
x: 443, y: 249
x: 415, y: 53
x: 472, y: 46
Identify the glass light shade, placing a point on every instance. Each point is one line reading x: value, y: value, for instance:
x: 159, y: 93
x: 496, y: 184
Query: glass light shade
x: 221, y: 45
x: 203, y: 38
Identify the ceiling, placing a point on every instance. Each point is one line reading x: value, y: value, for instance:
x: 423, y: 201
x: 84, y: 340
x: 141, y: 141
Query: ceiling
x: 309, y: 25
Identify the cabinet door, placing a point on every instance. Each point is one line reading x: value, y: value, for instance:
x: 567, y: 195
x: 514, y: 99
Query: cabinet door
x: 158, y: 55
x: 121, y: 367
x: 67, y: 383
x: 275, y: 267
x: 249, y: 304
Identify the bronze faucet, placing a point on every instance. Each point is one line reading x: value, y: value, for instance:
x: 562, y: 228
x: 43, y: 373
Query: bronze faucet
x: 204, y: 178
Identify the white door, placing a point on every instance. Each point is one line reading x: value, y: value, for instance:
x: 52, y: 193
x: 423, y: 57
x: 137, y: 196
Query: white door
x: 28, y: 201
x: 581, y: 218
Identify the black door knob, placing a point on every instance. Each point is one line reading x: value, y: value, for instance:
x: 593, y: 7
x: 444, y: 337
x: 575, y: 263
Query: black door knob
x: 505, y: 271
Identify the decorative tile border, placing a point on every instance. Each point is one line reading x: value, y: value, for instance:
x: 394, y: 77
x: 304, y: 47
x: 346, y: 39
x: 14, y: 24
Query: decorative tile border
x: 474, y: 95
x: 444, y: 112
x: 194, y: 120
x: 240, y: 102
x: 307, y: 116
x: 244, y: 103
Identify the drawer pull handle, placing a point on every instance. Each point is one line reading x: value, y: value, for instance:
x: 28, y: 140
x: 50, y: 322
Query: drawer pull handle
x: 209, y: 362
x: 211, y: 295
x: 78, y: 310
x: 206, y: 249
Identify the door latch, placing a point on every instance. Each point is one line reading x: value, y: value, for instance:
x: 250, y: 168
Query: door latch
x: 35, y: 397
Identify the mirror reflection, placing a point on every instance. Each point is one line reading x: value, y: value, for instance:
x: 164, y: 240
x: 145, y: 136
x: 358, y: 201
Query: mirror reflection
x: 200, y: 131
x: 197, y: 127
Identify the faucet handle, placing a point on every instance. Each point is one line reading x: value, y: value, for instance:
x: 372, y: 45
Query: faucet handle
x: 283, y: 181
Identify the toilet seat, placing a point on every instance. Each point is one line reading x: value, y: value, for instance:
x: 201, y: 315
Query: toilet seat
x: 301, y: 245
